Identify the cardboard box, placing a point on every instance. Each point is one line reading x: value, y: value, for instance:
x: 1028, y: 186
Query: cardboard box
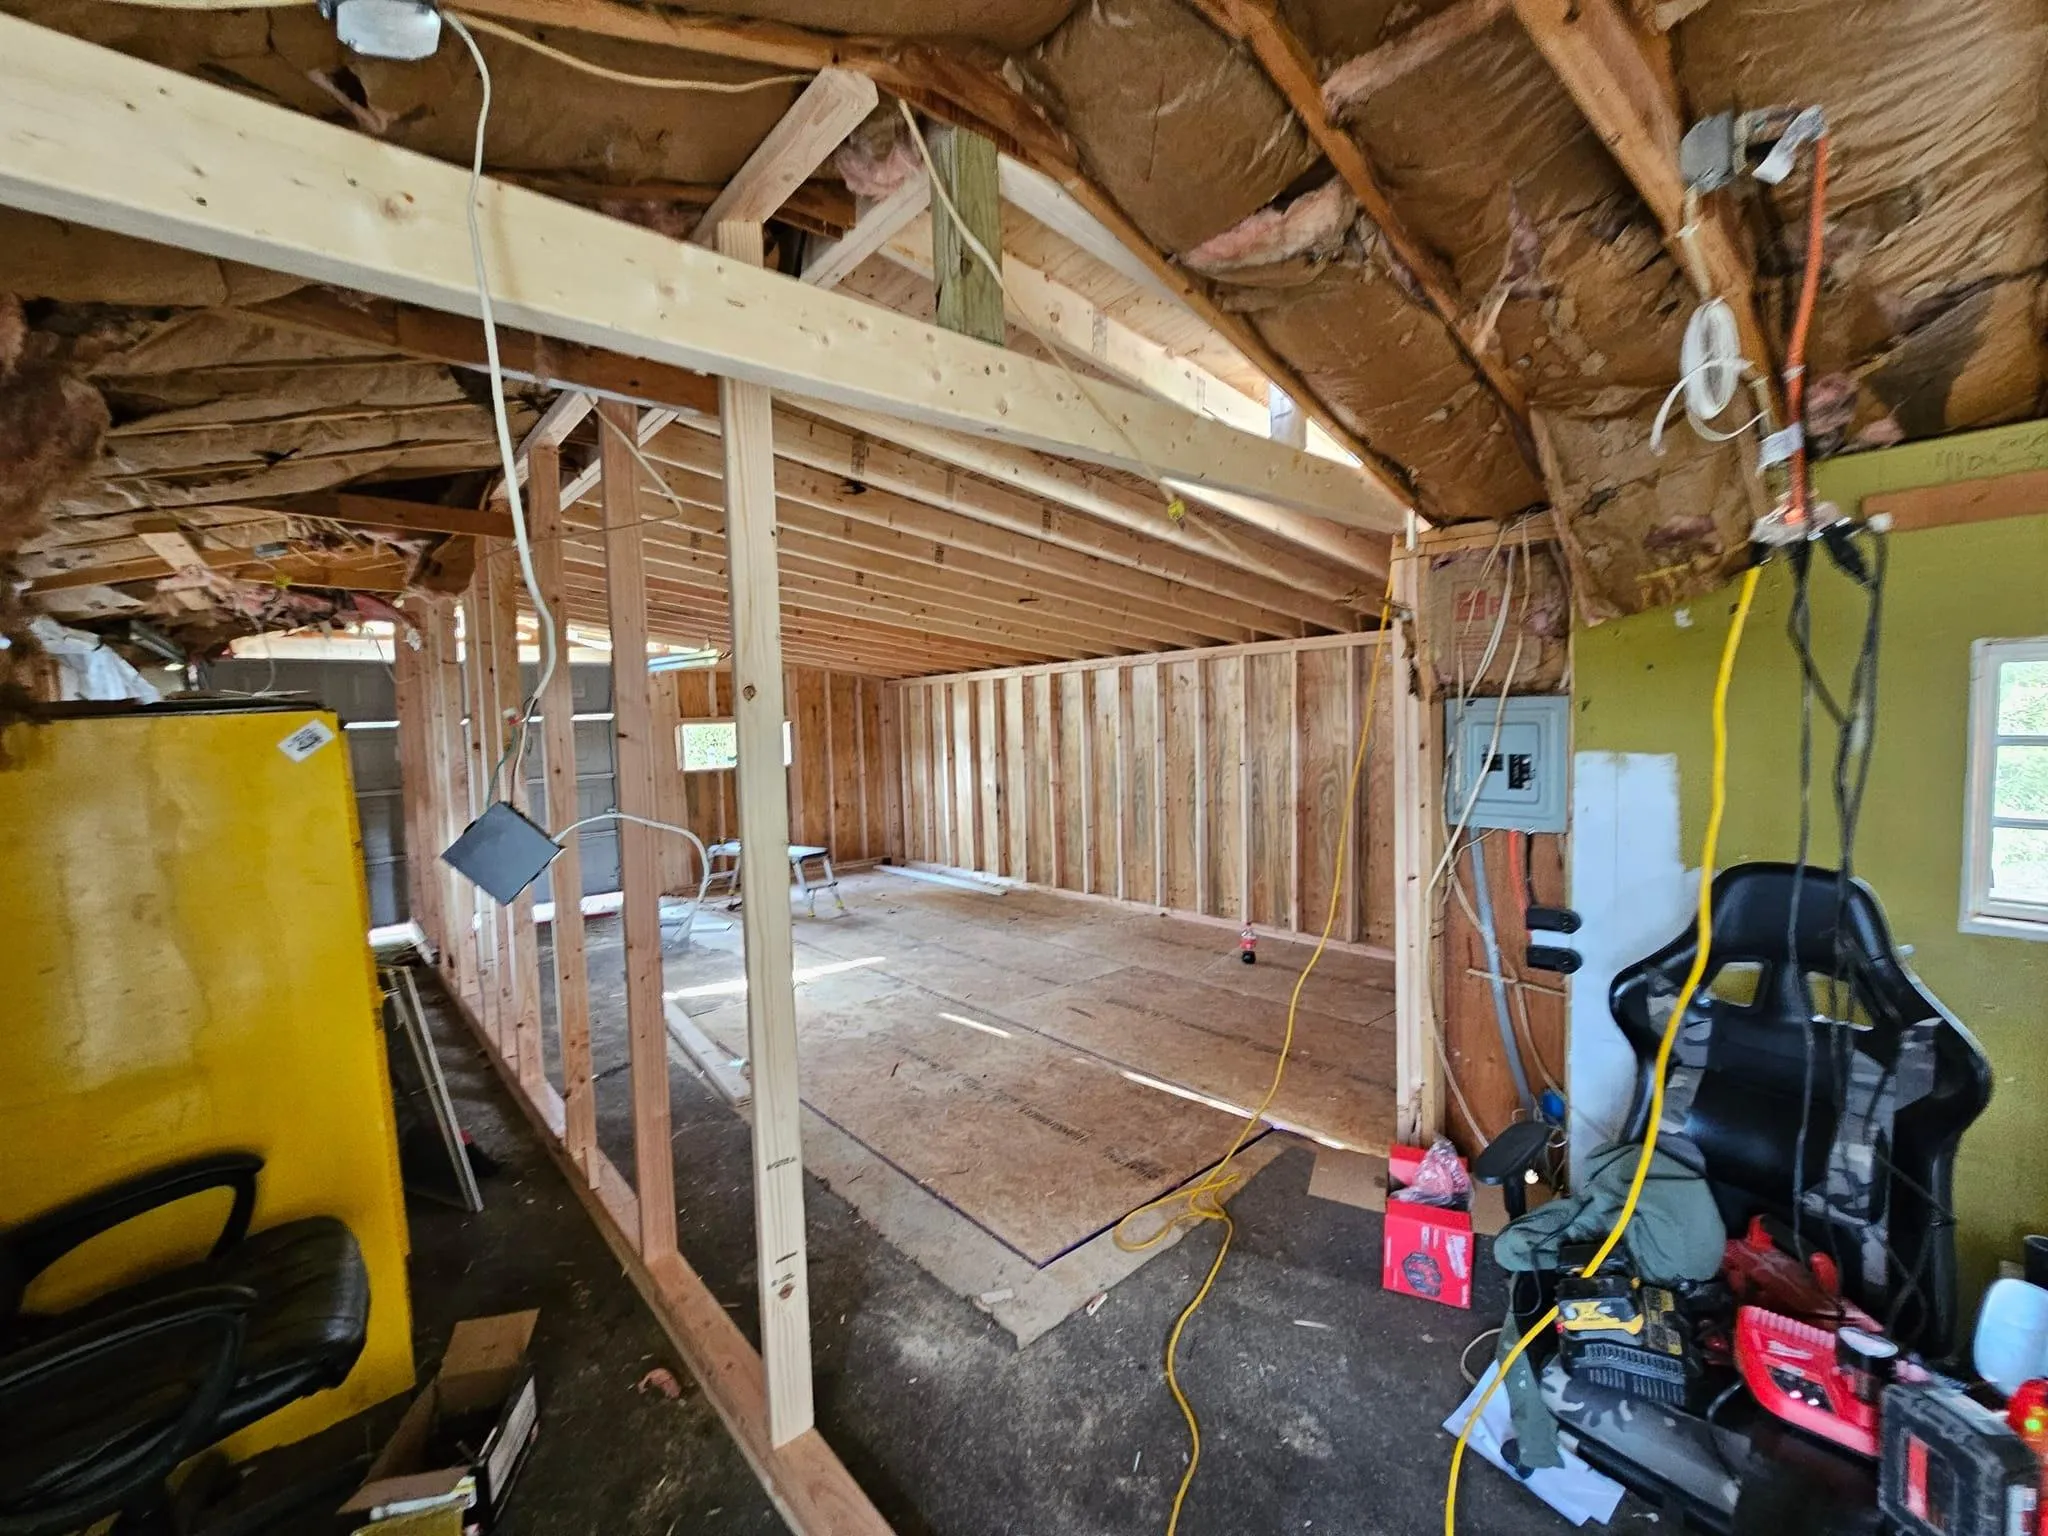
x: 484, y: 1400
x: 1428, y: 1250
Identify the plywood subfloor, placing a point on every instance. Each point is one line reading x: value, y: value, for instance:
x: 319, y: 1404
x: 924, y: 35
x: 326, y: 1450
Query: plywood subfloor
x: 1045, y: 1065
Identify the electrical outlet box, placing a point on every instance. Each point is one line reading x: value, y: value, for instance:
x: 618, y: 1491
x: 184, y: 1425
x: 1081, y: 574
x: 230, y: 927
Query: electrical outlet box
x: 1524, y: 788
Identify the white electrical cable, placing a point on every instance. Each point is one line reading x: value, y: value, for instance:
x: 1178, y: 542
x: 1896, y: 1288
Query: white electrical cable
x: 659, y: 826
x: 498, y: 416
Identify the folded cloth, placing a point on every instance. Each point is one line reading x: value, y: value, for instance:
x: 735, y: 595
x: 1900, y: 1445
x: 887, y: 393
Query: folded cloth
x: 1676, y: 1235
x: 1572, y: 1488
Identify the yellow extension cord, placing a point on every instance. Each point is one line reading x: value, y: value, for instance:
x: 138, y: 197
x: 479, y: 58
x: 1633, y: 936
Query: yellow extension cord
x: 1203, y: 1200
x: 1705, y: 934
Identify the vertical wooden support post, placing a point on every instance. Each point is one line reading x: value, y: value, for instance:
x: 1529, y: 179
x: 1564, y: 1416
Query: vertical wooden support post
x: 1202, y: 840
x: 1355, y: 843
x: 519, y: 941
x: 1050, y: 744
x: 633, y: 727
x: 795, y: 766
x: 1158, y: 785
x: 1119, y: 723
x: 780, y: 1260
x: 558, y: 750
x: 1418, y: 1079
x: 970, y: 298
x: 1294, y: 790
x: 895, y: 772
x: 961, y: 707
x: 487, y: 728
x: 831, y: 773
x: 1016, y: 778
x: 988, y: 759
x: 416, y: 783
x: 860, y: 762
x: 1087, y: 754
x: 449, y: 761
x: 1244, y: 789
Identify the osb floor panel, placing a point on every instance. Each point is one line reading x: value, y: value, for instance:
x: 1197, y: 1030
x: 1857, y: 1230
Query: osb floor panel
x: 1019, y: 1055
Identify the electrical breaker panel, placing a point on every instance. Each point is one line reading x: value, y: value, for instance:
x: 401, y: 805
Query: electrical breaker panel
x: 1524, y: 776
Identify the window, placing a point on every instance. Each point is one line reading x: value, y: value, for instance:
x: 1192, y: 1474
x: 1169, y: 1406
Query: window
x: 712, y: 746
x: 2005, y: 846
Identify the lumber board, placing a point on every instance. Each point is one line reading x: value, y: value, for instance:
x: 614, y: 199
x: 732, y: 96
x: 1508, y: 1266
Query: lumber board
x: 781, y: 1261
x: 830, y: 108
x: 570, y: 958
x: 95, y: 137
x: 636, y: 753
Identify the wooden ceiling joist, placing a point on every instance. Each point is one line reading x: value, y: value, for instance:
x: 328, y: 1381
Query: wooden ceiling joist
x: 94, y: 136
x: 830, y: 108
x: 1128, y: 537
x: 1620, y: 77
x: 823, y: 545
x: 876, y: 226
x: 1041, y: 173
x: 1259, y: 24
x: 819, y: 502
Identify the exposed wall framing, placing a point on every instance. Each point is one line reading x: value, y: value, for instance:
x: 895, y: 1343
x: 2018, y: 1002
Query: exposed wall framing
x: 1208, y: 784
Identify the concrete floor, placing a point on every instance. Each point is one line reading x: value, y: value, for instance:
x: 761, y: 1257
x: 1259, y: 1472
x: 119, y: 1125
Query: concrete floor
x: 949, y: 1427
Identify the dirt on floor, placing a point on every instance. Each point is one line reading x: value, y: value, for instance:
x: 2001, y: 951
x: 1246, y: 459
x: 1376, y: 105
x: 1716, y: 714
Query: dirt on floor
x: 1319, y: 1393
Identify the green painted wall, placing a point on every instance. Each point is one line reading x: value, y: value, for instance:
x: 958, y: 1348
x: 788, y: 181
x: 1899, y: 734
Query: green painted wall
x: 1643, y: 685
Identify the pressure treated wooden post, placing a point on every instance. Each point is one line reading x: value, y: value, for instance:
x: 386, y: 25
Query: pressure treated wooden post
x: 758, y: 708
x: 970, y: 298
x: 632, y: 725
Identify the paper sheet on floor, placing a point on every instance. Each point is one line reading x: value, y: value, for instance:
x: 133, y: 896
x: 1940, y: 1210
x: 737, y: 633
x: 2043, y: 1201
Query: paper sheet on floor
x: 1574, y: 1490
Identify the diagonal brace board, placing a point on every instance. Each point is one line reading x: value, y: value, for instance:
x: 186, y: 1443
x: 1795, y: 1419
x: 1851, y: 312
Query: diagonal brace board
x: 96, y: 137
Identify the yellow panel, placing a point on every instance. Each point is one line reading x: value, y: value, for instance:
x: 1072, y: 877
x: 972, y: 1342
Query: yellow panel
x: 185, y: 920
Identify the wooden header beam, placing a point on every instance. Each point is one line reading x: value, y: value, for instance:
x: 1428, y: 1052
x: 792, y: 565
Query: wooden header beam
x: 96, y: 137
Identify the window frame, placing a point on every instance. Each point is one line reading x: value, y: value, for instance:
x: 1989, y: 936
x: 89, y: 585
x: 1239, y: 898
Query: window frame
x: 1981, y: 912
x: 682, y: 764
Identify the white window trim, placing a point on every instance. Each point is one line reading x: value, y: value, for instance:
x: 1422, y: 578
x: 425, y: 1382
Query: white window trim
x: 788, y: 743
x: 1980, y: 914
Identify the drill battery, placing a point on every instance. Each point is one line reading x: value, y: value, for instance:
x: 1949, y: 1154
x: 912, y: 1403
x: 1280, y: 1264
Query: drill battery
x: 1616, y: 1332
x: 1952, y: 1467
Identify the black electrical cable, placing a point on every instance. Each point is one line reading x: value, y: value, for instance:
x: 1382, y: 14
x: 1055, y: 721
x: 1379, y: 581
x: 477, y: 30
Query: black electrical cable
x: 1799, y: 626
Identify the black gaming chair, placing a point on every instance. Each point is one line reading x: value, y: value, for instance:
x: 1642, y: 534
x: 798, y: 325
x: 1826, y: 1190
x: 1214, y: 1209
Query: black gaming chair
x: 98, y: 1405
x: 1885, y: 1071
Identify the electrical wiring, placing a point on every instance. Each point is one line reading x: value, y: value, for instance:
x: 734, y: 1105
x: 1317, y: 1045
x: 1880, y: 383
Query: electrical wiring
x: 1702, y: 944
x: 1203, y: 1200
x: 1516, y: 986
x: 499, y: 420
x: 619, y: 76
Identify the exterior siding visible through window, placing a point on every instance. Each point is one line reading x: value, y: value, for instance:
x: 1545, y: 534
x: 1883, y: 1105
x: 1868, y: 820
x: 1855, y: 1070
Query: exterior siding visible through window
x: 2005, y: 844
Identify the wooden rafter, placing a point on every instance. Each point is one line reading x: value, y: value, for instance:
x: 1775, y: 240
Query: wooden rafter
x: 877, y: 224
x: 830, y: 108
x: 960, y: 86
x: 92, y: 135
x: 1620, y: 77
x: 1287, y: 64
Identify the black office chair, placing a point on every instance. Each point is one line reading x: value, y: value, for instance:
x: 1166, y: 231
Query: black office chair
x: 1890, y: 1080
x: 99, y: 1404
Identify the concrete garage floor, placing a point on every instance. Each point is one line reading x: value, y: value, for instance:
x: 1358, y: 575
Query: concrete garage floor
x: 951, y: 1429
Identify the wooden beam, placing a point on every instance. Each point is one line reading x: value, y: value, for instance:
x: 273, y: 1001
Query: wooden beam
x: 1071, y: 485
x: 970, y: 297
x: 396, y: 516
x: 1293, y: 72
x: 1620, y: 76
x: 830, y: 108
x: 359, y: 573
x: 637, y: 750
x: 519, y: 937
x: 1418, y: 1077
x: 1042, y: 175
x: 558, y: 750
x: 877, y: 224
x: 781, y: 1266
x: 2024, y: 494
x: 413, y: 331
x: 96, y: 137
x: 1017, y: 500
